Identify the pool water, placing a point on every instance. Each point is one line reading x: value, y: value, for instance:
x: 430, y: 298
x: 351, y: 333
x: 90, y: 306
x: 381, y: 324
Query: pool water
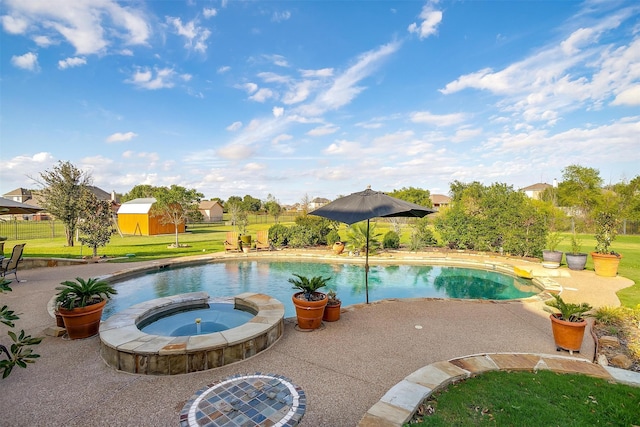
x: 347, y: 280
x: 214, y: 317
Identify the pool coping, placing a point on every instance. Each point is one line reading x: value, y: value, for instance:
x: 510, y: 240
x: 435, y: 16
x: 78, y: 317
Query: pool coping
x: 128, y: 349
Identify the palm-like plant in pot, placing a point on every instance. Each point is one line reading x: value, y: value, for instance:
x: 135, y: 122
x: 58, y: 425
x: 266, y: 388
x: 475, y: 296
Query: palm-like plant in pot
x: 605, y: 261
x: 568, y: 323
x: 332, y: 310
x: 80, y: 303
x: 309, y: 302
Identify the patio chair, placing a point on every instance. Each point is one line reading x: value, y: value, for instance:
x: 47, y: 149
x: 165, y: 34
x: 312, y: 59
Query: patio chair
x: 231, y: 243
x: 262, y: 240
x: 11, y: 265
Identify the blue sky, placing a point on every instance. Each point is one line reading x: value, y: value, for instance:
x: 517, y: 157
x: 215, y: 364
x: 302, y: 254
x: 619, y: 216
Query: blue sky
x: 321, y: 98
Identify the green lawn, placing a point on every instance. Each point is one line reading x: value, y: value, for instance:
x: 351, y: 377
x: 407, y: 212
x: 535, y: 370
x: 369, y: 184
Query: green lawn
x: 544, y: 398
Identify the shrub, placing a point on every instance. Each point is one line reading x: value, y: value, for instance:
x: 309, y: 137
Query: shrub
x: 279, y: 234
x: 391, y: 240
x: 333, y: 237
x: 300, y: 237
x: 318, y: 226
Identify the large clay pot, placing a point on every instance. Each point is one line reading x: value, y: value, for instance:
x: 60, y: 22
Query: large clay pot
x: 82, y: 322
x: 576, y: 261
x: 338, y: 247
x: 606, y: 265
x: 567, y: 335
x: 331, y: 313
x: 309, y: 313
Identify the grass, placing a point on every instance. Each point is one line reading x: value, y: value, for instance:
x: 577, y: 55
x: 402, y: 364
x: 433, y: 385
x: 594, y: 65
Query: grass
x: 542, y: 398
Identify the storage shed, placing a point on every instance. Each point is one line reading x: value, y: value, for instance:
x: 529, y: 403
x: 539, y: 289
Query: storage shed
x: 135, y: 217
x: 211, y: 210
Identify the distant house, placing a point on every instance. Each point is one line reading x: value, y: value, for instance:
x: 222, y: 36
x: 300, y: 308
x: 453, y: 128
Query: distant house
x: 18, y: 195
x: 440, y: 201
x: 535, y: 191
x: 211, y: 210
x: 135, y: 217
x: 318, y: 202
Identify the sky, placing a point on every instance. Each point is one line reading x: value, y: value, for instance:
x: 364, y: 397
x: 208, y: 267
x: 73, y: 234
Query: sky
x: 300, y: 99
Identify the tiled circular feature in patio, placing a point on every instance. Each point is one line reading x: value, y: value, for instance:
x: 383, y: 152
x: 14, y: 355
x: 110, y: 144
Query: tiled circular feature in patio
x: 246, y: 400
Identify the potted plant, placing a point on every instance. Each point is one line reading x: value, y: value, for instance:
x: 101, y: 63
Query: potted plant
x: 245, y: 243
x: 332, y: 310
x: 309, y: 303
x: 550, y: 257
x: 576, y: 260
x: 605, y: 261
x: 80, y: 304
x: 568, y: 324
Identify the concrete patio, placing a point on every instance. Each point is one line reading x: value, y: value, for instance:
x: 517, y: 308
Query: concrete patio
x: 344, y: 368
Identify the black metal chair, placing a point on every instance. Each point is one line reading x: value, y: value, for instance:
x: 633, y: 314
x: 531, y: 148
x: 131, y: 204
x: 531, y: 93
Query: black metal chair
x: 11, y: 265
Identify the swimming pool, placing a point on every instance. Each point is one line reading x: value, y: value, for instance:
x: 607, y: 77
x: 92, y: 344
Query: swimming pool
x: 224, y: 279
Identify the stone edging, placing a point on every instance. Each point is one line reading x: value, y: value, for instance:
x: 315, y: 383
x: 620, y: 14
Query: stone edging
x: 128, y: 349
x: 399, y: 404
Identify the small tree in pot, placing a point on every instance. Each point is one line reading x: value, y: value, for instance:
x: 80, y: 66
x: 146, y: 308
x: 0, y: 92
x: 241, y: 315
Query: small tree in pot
x: 309, y: 302
x: 568, y: 324
x: 576, y: 260
x: 551, y: 257
x: 605, y: 261
x: 80, y: 303
x: 332, y: 310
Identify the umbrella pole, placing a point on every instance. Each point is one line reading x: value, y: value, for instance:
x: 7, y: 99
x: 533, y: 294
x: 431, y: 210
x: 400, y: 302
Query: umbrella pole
x: 366, y: 265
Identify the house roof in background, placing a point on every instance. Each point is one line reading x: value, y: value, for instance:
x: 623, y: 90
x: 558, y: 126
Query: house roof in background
x: 537, y: 187
x: 208, y: 204
x: 440, y: 199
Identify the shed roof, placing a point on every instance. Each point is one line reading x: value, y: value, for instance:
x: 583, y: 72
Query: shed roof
x: 137, y: 206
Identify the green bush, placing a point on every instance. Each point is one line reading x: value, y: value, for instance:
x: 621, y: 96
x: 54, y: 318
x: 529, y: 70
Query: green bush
x: 301, y: 237
x: 333, y: 237
x: 391, y: 240
x: 279, y: 234
x: 318, y: 226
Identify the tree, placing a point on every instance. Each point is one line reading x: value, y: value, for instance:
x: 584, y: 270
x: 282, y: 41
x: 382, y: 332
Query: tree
x: 141, y: 191
x: 581, y: 187
x: 251, y: 204
x: 62, y: 196
x: 414, y: 195
x: 304, y: 204
x: 273, y: 207
x: 492, y: 218
x: 95, y: 225
x: 174, y: 205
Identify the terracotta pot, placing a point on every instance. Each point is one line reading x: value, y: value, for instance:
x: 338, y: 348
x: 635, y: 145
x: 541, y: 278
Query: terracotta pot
x: 338, y: 247
x: 59, y: 320
x: 309, y: 313
x: 606, y: 265
x: 576, y: 261
x: 567, y: 335
x: 331, y: 313
x: 82, y: 322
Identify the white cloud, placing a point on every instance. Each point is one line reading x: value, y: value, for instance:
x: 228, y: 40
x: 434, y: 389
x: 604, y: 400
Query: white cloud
x: 430, y: 19
x: 83, y: 24
x: 630, y: 96
x: 577, y: 40
x: 28, y: 61
x: 277, y: 111
x: 437, y: 119
x: 281, y: 16
x: 121, y: 137
x: 321, y: 73
x: 13, y: 24
x: 282, y: 138
x: 235, y: 152
x: 262, y: 95
x: 254, y: 167
x: 234, y: 126
x: 144, y: 78
x: 250, y: 87
x: 223, y: 69
x: 209, y: 12
x: 71, y: 62
x: 343, y: 148
x: 299, y: 92
x: 43, y: 41
x: 466, y: 134
x: 196, y: 36
x: 278, y: 60
x: 323, y: 130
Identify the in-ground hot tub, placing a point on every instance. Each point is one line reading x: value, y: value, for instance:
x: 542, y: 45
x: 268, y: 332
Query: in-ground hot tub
x: 126, y: 348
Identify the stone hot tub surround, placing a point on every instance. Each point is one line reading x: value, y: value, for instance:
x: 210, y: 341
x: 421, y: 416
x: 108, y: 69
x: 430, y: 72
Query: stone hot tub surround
x: 128, y: 349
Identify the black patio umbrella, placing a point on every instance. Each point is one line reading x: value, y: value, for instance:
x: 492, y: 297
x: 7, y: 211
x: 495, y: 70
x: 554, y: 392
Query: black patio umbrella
x: 11, y: 207
x: 369, y: 204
